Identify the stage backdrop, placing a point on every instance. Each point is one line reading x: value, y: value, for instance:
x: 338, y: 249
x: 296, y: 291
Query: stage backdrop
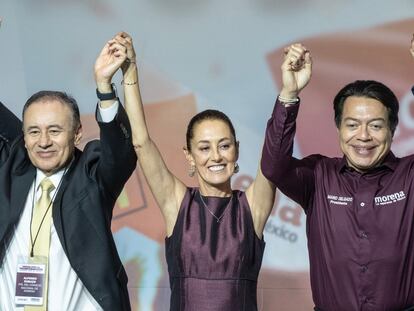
x: 201, y: 54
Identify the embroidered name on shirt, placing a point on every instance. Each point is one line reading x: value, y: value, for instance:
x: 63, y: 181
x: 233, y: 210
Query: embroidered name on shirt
x: 390, y: 198
x: 339, y: 200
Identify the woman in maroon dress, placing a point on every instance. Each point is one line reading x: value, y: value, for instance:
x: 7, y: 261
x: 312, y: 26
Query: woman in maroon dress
x: 214, y: 243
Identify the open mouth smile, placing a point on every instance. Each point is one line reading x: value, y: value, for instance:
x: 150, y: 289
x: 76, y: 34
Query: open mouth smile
x: 216, y: 168
x: 364, y: 150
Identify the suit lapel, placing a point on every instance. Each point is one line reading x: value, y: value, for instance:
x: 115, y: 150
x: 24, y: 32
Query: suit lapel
x: 58, y: 204
x: 19, y: 191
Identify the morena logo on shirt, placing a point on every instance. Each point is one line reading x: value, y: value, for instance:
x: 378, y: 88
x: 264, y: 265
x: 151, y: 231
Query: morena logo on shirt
x: 390, y: 198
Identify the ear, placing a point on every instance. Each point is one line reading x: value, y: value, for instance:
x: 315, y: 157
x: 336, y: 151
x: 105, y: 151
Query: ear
x: 396, y: 130
x: 24, y: 139
x: 78, y: 135
x: 24, y: 135
x: 188, y: 156
x: 237, y: 149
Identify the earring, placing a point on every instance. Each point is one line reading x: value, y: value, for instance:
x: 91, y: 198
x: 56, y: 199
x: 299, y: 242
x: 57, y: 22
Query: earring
x: 191, y: 171
x: 236, y: 168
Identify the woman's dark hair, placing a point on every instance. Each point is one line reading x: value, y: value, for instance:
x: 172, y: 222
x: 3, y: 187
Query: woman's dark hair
x: 368, y: 89
x: 62, y: 97
x: 209, y: 114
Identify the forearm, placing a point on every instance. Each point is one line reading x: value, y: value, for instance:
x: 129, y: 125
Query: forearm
x: 161, y: 181
x: 278, y: 144
x: 134, y: 107
x: 117, y: 158
x: 294, y: 177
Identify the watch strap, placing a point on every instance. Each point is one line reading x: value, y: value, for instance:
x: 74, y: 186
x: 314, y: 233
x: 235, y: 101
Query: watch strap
x: 107, y: 96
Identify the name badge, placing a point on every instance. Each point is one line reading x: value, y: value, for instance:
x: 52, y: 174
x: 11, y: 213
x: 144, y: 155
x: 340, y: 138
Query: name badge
x: 30, y: 281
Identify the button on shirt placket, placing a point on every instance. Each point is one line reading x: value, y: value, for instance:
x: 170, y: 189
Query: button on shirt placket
x: 365, y: 215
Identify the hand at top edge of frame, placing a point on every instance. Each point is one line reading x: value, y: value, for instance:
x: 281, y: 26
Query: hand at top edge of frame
x: 296, y: 70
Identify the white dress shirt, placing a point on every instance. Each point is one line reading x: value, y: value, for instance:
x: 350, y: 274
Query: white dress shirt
x: 65, y: 290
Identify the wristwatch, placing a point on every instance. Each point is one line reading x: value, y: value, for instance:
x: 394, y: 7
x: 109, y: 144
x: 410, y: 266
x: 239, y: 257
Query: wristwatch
x: 107, y: 96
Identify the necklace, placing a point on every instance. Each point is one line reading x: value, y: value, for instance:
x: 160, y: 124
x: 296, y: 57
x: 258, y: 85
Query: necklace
x: 212, y: 214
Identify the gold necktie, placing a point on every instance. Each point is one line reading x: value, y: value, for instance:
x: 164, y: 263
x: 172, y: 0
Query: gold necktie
x: 42, y: 219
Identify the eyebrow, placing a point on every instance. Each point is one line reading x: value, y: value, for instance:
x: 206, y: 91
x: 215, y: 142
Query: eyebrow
x: 49, y: 127
x: 358, y: 120
x: 207, y: 141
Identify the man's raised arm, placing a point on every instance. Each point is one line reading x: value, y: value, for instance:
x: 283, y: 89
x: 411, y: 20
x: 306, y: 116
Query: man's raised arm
x: 10, y: 128
x: 277, y: 163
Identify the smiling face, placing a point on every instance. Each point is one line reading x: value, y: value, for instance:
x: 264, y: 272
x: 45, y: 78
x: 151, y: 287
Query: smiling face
x: 214, y: 153
x: 364, y: 133
x: 49, y: 135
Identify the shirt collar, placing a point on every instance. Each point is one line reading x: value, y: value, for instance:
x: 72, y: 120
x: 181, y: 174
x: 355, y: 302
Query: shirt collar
x: 390, y: 161
x: 54, y: 178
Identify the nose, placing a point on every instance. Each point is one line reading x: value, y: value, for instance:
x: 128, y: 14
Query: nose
x: 215, y: 154
x: 44, y: 140
x: 364, y: 134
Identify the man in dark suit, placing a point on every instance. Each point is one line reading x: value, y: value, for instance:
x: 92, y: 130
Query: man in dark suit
x: 83, y: 269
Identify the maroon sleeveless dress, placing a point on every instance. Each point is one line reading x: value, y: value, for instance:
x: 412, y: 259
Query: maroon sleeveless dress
x: 213, y: 265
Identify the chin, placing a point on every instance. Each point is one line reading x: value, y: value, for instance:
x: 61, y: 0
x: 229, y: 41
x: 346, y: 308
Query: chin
x: 46, y: 171
x: 364, y: 167
x: 217, y: 182
x: 46, y: 168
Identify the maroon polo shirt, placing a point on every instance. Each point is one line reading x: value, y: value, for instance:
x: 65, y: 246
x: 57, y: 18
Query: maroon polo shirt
x: 360, y: 226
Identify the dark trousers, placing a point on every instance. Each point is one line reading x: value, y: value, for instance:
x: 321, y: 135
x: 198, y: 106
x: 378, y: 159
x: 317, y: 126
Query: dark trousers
x: 406, y: 309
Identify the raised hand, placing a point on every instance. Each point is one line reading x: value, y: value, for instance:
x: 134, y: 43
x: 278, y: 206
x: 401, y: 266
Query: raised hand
x: 126, y: 40
x: 129, y: 68
x: 296, y: 70
x: 110, y: 59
